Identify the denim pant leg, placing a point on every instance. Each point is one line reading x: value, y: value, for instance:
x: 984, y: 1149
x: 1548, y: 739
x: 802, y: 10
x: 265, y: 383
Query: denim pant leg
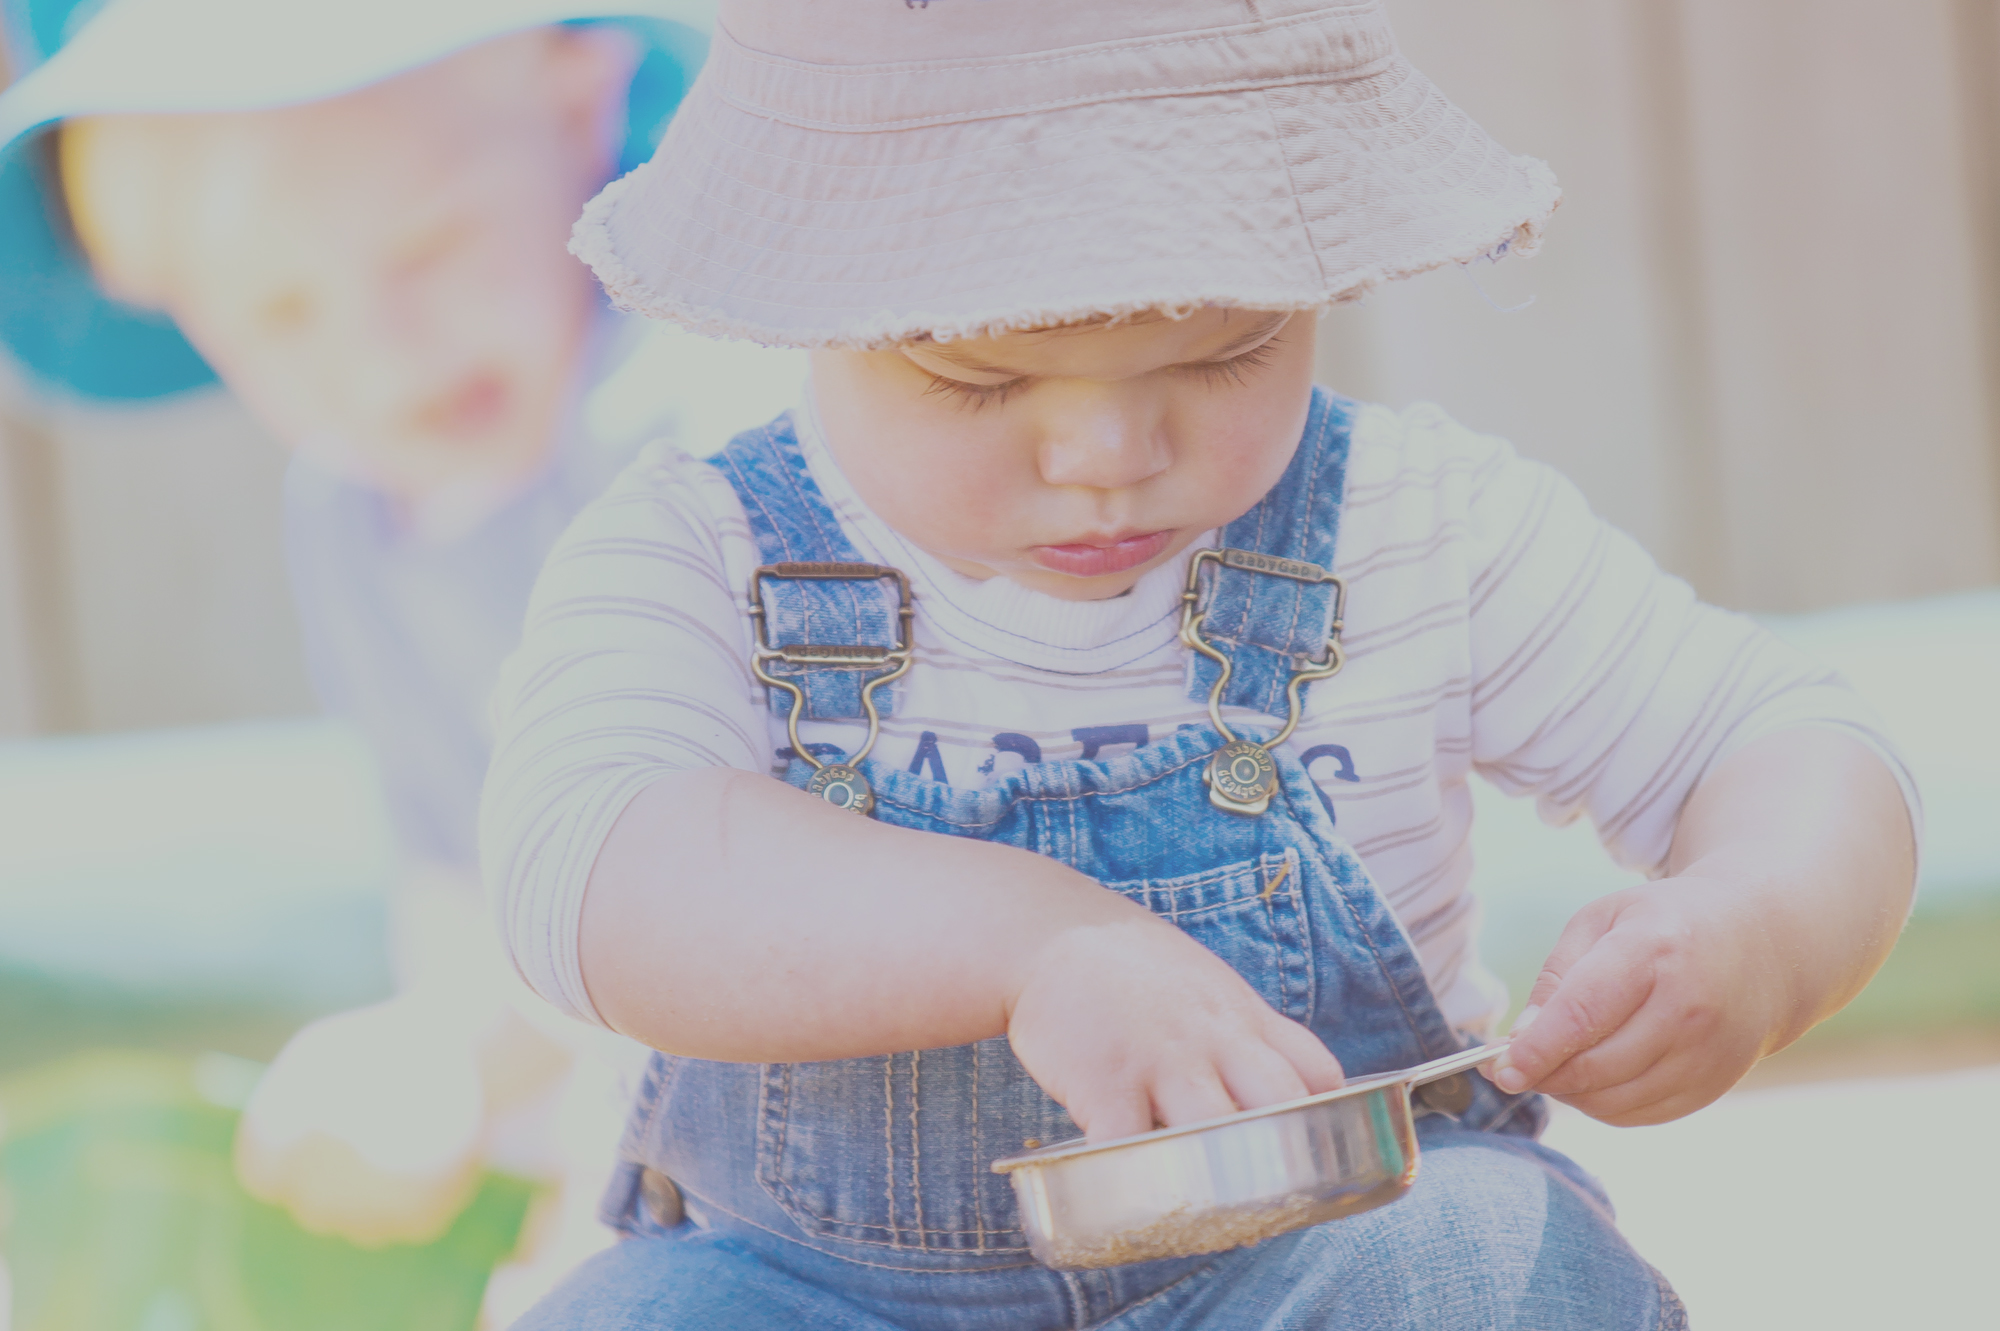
x: 1499, y: 1234
x: 698, y: 1283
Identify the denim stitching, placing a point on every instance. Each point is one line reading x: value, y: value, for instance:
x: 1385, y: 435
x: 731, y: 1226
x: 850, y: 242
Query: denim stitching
x: 1266, y: 518
x: 1303, y: 534
x: 749, y: 494
x: 1289, y: 873
x: 917, y: 1147
x: 1257, y: 683
x: 660, y: 1090
x: 749, y: 1223
x: 773, y: 1125
x: 889, y: 1144
x: 829, y: 545
x: 978, y: 1154
x: 1339, y: 891
x: 1069, y: 807
x: 773, y: 454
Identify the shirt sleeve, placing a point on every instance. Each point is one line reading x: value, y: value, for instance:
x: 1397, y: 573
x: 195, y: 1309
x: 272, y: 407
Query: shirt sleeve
x: 633, y: 664
x: 1603, y: 686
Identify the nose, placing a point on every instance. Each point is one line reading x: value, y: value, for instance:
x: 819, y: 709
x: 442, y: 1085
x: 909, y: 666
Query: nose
x: 1103, y: 445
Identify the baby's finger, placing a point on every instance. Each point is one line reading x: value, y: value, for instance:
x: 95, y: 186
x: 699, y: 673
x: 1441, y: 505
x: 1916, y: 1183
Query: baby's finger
x: 1125, y: 1115
x: 1583, y: 932
x: 1315, y: 1064
x: 1256, y: 1075
x: 1670, y: 1089
x: 1580, y: 935
x: 1596, y: 998
x: 1624, y: 1057
x: 1190, y: 1098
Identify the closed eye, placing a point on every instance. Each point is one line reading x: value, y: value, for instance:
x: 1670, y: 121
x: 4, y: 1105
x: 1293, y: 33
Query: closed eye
x: 1215, y: 372
x: 1231, y: 371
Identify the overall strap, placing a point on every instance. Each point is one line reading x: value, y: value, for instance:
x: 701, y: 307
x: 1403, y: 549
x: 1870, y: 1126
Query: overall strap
x: 1271, y: 625
x: 793, y: 524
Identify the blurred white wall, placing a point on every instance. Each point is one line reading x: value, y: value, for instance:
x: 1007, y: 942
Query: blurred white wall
x: 18, y: 700
x: 142, y: 578
x: 1762, y: 329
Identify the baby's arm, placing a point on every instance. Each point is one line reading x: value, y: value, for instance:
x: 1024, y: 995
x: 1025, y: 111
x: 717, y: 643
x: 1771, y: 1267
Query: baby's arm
x: 729, y: 916
x: 1791, y: 872
x: 1752, y: 780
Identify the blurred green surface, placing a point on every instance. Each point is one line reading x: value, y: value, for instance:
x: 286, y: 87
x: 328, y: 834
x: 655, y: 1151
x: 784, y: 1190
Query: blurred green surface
x: 1943, y: 978
x: 123, y: 1214
x: 45, y: 1017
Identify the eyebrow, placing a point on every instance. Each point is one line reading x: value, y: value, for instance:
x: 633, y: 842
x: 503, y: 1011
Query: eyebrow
x: 1276, y: 320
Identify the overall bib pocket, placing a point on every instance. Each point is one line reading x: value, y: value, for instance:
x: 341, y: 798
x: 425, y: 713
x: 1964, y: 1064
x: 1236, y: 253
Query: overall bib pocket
x: 893, y: 1151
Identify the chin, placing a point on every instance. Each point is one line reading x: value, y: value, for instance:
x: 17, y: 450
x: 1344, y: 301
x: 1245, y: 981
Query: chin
x: 1068, y: 587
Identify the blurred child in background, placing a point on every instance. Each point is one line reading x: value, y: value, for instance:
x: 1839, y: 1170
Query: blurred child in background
x: 356, y: 216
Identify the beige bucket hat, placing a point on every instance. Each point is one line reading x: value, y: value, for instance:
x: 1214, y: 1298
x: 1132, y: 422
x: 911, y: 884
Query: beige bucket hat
x: 1026, y: 163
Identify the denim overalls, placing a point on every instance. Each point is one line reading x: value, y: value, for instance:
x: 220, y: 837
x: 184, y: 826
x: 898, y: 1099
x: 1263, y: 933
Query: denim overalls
x: 857, y: 1193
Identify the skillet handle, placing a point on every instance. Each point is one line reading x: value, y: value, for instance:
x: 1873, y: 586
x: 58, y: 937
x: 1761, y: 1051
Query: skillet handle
x: 1439, y: 1068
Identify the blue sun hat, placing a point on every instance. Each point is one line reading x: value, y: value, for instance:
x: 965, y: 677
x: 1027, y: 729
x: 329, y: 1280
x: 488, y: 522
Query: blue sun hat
x: 81, y: 57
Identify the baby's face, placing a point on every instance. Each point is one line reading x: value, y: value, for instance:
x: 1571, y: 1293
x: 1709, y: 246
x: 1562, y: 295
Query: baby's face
x: 382, y: 277
x: 1074, y: 460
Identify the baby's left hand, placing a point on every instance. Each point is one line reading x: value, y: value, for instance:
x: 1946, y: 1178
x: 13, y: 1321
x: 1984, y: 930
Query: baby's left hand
x: 1656, y: 1000
x: 1793, y: 864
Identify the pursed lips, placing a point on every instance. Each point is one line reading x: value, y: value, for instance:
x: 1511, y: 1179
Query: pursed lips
x: 1098, y: 557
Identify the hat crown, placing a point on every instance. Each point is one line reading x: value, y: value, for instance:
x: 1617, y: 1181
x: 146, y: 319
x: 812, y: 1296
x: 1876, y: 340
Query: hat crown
x: 838, y: 33
x: 984, y: 63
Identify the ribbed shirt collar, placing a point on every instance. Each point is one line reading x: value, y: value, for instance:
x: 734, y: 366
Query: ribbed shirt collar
x: 997, y: 617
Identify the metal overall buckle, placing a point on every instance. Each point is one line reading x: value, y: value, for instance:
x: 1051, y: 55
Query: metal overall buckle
x: 839, y: 784
x: 1242, y: 776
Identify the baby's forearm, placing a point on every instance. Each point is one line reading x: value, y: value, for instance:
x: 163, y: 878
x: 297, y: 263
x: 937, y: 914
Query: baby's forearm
x: 732, y: 917
x: 1813, y: 827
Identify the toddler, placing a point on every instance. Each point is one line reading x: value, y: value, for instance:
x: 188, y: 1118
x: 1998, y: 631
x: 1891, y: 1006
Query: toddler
x: 1061, y: 722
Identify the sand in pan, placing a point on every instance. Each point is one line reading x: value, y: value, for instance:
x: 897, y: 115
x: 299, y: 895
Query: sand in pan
x: 1189, y: 1233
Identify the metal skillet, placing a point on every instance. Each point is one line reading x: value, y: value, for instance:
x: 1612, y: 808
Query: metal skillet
x: 1227, y: 1182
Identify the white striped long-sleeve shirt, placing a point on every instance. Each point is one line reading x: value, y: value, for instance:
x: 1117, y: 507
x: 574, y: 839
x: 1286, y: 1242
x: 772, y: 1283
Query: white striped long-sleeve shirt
x: 1494, y: 625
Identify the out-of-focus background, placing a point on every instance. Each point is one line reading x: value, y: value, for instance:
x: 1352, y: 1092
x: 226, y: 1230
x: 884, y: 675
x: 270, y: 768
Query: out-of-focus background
x: 1763, y: 337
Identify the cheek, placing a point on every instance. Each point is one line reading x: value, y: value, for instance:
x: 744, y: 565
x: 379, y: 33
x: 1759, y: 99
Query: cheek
x: 283, y: 382
x: 1241, y: 441
x: 937, y: 474
x: 940, y: 487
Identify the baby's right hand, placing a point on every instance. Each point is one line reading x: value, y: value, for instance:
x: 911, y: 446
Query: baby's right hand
x: 368, y: 1126
x: 1133, y: 1025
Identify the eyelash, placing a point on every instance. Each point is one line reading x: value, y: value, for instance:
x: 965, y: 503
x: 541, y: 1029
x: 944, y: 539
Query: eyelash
x: 1231, y: 370
x: 976, y: 396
